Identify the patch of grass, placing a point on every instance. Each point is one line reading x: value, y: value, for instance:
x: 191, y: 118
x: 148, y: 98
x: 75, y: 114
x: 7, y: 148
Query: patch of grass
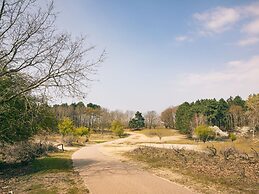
x: 241, y: 144
x: 98, y: 141
x: 98, y: 137
x: 183, y: 141
x: 157, y: 132
x: 75, y: 190
x: 42, y: 190
x: 50, y: 174
x: 53, y: 162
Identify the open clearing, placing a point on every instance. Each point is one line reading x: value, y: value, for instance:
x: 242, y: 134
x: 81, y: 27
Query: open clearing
x: 134, y: 164
x: 113, y: 167
x: 104, y: 172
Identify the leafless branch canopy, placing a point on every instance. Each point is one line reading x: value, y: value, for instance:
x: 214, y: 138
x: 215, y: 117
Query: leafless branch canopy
x: 31, y: 46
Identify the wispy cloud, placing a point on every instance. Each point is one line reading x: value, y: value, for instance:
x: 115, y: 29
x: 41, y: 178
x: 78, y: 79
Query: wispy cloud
x: 221, y: 19
x: 248, y: 41
x: 252, y: 27
x: 250, y: 10
x: 238, y: 77
x: 217, y: 20
x: 182, y: 38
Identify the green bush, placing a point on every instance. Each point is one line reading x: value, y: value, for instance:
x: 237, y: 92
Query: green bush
x: 82, y: 131
x: 232, y: 136
x: 66, y: 126
x: 204, y: 133
x: 117, y: 128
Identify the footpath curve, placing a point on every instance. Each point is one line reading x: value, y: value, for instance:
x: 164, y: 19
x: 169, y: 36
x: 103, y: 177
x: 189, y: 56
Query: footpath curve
x: 104, y: 173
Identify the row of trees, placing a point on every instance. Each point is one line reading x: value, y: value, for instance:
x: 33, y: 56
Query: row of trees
x: 96, y: 117
x: 92, y: 116
x: 227, y: 115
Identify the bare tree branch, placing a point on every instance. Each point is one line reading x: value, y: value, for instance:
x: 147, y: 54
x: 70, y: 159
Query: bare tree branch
x: 31, y: 46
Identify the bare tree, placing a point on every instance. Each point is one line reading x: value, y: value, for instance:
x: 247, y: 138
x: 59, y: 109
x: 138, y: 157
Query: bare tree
x: 151, y: 119
x: 168, y: 117
x: 252, y: 104
x: 31, y: 47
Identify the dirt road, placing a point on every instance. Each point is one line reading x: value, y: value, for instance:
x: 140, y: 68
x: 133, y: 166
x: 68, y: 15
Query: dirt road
x: 104, y: 173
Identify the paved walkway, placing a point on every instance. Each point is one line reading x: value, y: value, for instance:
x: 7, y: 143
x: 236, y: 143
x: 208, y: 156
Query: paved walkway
x: 105, y: 174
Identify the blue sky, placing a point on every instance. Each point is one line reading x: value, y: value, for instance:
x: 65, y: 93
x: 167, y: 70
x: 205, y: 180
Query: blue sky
x: 163, y: 52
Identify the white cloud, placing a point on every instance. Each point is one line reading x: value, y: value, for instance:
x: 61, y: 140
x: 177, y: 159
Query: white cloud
x: 221, y: 19
x: 248, y: 41
x: 182, y: 38
x: 238, y: 77
x: 234, y: 71
x: 234, y: 64
x: 250, y: 10
x: 252, y: 27
x: 217, y: 20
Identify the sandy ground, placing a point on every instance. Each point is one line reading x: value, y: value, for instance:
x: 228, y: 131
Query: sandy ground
x: 104, y: 172
x: 119, y: 146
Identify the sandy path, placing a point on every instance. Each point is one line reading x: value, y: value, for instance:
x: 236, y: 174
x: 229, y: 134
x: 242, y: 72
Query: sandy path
x: 104, y: 173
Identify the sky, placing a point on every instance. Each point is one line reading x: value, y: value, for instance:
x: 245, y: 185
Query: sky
x: 161, y: 53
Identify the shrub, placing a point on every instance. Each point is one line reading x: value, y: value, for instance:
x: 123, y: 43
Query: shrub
x: 23, y: 152
x: 69, y: 139
x: 204, y: 133
x: 82, y: 131
x: 67, y: 130
x: 66, y: 126
x: 117, y: 128
x: 232, y: 136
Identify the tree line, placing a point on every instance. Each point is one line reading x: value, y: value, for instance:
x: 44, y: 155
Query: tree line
x: 227, y: 115
x: 91, y: 115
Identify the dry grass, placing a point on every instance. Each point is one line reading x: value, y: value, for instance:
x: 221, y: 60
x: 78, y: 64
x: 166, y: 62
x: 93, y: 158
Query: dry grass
x: 155, y: 132
x: 95, y: 137
x: 241, y: 144
x: 51, y: 174
x: 235, y: 173
x: 183, y: 141
x: 100, y: 138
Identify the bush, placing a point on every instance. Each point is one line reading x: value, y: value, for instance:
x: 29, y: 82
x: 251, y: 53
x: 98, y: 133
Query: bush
x: 70, y: 133
x: 117, y: 128
x: 232, y: 136
x: 69, y: 139
x: 66, y: 126
x: 204, y: 133
x: 24, y: 152
x: 82, y: 131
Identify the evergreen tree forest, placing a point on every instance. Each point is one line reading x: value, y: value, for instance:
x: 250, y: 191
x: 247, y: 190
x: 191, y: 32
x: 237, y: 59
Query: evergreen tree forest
x: 226, y: 114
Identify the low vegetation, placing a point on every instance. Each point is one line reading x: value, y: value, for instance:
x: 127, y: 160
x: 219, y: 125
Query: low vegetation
x: 49, y: 174
x: 226, y: 169
x: 163, y: 132
x: 204, y: 133
x: 117, y: 128
x: 70, y: 133
x: 241, y: 144
x: 102, y: 137
x: 232, y: 136
x: 24, y: 152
